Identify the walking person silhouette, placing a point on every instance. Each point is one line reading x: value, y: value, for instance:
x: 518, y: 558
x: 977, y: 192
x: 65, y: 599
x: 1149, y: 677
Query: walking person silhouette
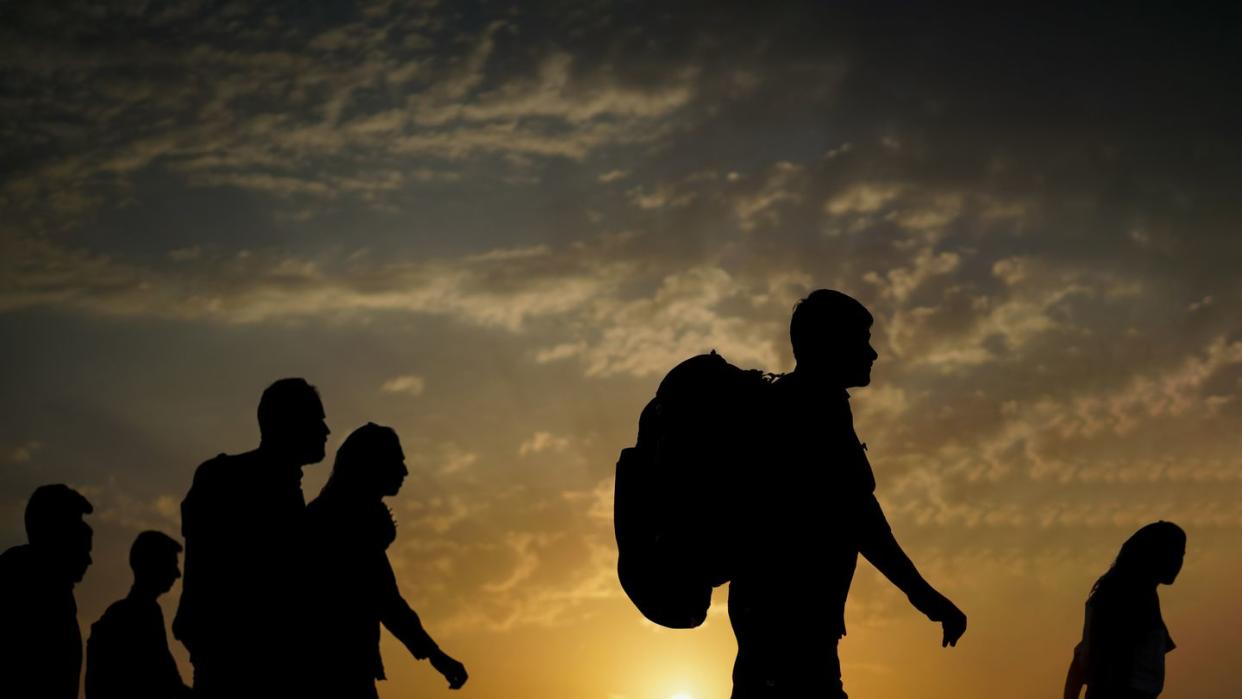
x: 1124, y: 639
x: 350, y: 530
x: 242, y: 610
x: 811, y: 512
x: 127, y: 654
x: 40, y: 641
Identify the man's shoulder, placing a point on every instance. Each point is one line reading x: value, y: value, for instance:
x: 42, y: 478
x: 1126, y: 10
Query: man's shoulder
x: 117, y: 614
x: 318, y: 507
x: 14, y: 556
x: 223, y: 467
x: 15, y: 565
x: 128, y: 611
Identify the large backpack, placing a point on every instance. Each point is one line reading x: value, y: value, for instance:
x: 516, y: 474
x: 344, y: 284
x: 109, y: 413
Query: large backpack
x: 675, y: 509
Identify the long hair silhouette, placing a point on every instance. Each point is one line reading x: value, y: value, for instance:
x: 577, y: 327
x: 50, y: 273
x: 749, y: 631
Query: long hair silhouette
x: 1148, y: 556
x: 351, y: 529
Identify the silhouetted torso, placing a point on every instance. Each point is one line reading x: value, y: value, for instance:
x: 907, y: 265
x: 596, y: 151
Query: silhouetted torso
x: 127, y: 655
x: 241, y: 610
x: 40, y: 642
x: 811, y: 508
x: 355, y: 591
x: 1124, y: 643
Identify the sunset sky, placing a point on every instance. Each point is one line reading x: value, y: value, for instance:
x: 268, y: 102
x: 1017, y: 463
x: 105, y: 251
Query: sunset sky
x: 494, y: 227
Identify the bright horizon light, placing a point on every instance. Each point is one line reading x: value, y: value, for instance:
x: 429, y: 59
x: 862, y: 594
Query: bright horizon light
x: 682, y: 695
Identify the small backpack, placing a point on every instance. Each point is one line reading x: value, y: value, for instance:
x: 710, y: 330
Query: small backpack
x: 675, y: 508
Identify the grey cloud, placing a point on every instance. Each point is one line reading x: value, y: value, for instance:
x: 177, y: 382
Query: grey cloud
x: 295, y: 116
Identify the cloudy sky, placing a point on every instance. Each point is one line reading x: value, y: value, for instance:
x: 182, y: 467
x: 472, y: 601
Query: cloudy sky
x: 494, y: 227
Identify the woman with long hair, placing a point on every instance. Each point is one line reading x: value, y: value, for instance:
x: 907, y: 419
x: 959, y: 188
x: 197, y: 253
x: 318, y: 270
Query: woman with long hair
x: 350, y: 530
x: 1124, y: 638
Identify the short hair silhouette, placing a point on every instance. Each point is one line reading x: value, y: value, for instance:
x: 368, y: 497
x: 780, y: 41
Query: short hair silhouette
x: 55, y: 511
x: 149, y: 548
x: 283, y: 404
x: 819, y: 316
x: 1147, y: 554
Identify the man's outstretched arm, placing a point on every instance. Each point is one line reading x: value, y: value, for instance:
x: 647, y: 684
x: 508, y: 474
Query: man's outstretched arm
x: 880, y: 548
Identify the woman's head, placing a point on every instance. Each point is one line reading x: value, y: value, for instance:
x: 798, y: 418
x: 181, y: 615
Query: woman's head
x: 369, y: 462
x: 1153, y: 554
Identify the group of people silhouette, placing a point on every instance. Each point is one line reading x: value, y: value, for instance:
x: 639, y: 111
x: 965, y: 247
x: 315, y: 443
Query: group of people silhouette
x: 279, y: 598
x: 284, y: 598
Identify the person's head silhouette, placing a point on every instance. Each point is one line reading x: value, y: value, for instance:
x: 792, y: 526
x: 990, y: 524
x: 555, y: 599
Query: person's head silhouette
x: 831, y: 337
x: 370, y: 463
x: 1153, y: 555
x: 153, y: 558
x: 55, y: 528
x: 291, y: 421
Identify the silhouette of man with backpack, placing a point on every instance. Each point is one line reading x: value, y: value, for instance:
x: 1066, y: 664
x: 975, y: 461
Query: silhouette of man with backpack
x: 243, y: 521
x: 40, y: 642
x: 127, y: 655
x: 810, y: 512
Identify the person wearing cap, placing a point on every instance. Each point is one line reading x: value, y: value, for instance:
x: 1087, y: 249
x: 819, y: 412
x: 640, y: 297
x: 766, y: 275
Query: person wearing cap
x: 127, y: 654
x: 40, y: 642
x: 356, y: 589
x: 242, y: 611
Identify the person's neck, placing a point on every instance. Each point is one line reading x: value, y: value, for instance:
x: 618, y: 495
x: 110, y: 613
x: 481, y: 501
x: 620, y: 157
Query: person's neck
x: 279, y: 457
x: 52, y: 565
x: 356, y: 497
x: 818, y: 377
x: 139, y: 592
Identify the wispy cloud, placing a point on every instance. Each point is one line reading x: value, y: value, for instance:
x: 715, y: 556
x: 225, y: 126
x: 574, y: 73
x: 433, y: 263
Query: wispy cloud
x: 541, y: 442
x: 408, y: 384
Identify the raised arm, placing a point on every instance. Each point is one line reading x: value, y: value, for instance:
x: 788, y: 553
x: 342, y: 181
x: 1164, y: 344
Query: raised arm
x: 880, y: 548
x: 403, y: 622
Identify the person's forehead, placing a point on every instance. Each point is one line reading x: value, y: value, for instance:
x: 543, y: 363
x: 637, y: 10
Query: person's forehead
x: 849, y: 326
x: 393, y: 450
x: 312, y: 407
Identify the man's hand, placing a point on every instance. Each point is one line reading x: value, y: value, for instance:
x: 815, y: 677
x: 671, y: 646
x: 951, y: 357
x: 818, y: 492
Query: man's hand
x: 452, y: 670
x: 953, y: 623
x: 938, y: 608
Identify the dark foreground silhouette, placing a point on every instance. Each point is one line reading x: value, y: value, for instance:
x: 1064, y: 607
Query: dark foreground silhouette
x: 764, y: 484
x: 40, y: 642
x: 242, y: 604
x: 355, y: 587
x: 1124, y: 639
x: 814, y: 510
x: 127, y: 655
